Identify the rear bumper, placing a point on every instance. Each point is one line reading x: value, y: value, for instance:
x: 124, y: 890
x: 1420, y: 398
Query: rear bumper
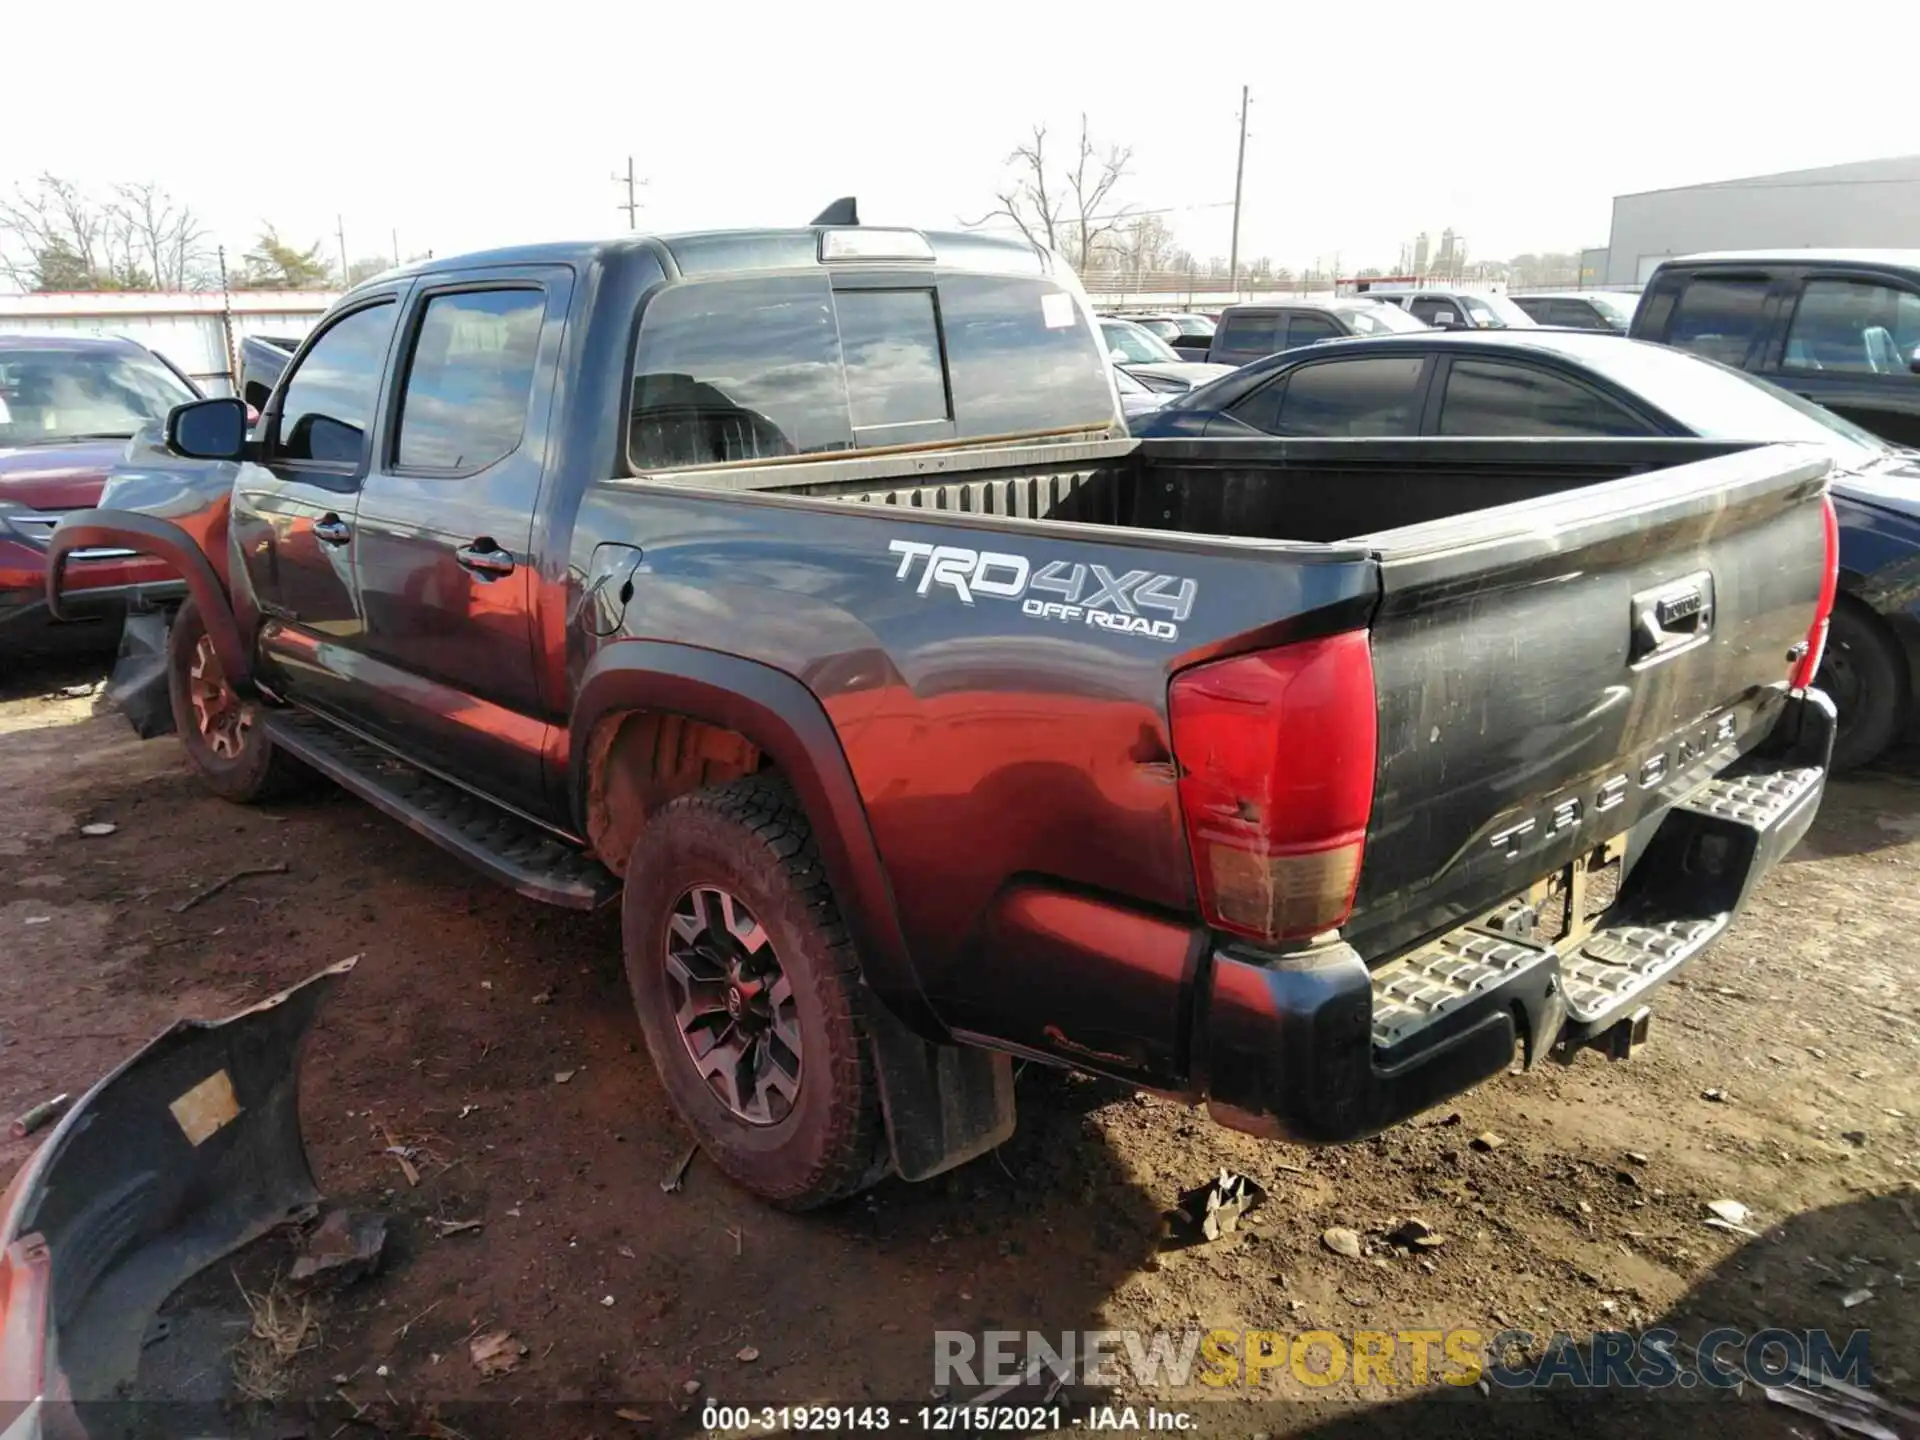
x: 1317, y: 1047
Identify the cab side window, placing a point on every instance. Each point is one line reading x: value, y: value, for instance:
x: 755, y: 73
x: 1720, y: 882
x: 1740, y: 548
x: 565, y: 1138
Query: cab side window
x: 1367, y: 395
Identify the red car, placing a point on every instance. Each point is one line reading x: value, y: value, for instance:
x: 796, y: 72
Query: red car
x: 68, y: 406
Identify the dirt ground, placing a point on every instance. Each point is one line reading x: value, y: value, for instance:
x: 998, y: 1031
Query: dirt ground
x: 494, y: 1039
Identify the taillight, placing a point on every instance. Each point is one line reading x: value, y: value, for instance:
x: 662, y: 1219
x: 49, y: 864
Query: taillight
x: 1276, y: 753
x: 1808, y: 665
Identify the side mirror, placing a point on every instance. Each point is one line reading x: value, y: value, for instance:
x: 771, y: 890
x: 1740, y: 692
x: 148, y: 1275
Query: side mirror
x: 208, y: 429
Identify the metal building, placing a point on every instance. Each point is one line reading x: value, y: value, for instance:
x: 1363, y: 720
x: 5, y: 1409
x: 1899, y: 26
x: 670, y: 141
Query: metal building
x: 198, y: 331
x: 1870, y: 204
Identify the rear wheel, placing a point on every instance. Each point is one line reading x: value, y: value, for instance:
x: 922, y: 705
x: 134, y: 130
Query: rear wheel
x: 224, y: 738
x: 748, y: 994
x: 1866, y: 676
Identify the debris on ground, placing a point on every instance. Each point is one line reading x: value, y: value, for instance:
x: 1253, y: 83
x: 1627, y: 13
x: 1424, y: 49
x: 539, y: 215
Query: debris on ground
x: 98, y: 828
x: 346, y: 1244
x: 690, y: 1387
x: 1487, y: 1140
x: 280, y: 1327
x: 1636, y: 1157
x: 496, y: 1352
x: 1415, y: 1234
x: 39, y: 1115
x: 746, y: 1354
x: 677, y: 1173
x: 1855, y: 1297
x: 545, y: 997
x: 1341, y: 1241
x: 1731, y: 1211
x: 1206, y: 1212
x: 1718, y: 1097
x: 607, y: 1300
x: 452, y: 1227
x: 561, y: 1077
x: 208, y: 892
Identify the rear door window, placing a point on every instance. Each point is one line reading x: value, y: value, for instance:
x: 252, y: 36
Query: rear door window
x: 1433, y: 309
x: 469, y: 379
x: 1854, y: 327
x: 1719, y: 316
x: 1487, y: 397
x: 1021, y: 357
x: 1305, y: 329
x: 1367, y: 395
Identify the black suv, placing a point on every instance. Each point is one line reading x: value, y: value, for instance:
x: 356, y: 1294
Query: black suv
x: 1841, y: 327
x: 1249, y: 332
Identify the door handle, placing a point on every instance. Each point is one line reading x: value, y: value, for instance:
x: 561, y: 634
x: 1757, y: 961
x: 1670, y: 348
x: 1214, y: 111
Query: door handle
x: 483, y: 557
x: 332, y: 529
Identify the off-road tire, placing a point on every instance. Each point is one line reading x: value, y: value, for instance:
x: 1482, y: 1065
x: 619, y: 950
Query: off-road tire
x: 1873, y: 702
x: 751, y: 839
x: 259, y: 771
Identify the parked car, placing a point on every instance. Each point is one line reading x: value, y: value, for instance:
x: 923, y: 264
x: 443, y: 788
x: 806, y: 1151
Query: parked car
x: 1839, y: 327
x: 1136, y: 400
x: 1250, y: 332
x: 1457, y: 309
x: 1153, y: 362
x: 1565, y: 383
x: 68, y: 407
x: 1610, y: 310
x: 1186, y: 333
x: 803, y: 589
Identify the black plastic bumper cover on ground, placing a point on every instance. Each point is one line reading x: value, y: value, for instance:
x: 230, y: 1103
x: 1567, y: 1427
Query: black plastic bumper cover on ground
x: 185, y: 1153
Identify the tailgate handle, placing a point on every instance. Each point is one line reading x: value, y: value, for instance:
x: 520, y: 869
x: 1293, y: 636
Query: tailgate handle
x: 1671, y: 617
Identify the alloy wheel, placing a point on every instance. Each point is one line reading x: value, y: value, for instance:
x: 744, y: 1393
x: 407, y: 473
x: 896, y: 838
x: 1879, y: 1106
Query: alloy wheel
x: 733, y: 1005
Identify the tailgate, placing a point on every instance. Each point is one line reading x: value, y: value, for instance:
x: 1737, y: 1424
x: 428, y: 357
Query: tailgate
x: 1551, y: 672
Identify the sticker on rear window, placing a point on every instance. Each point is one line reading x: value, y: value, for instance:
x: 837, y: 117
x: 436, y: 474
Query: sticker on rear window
x: 1057, y: 310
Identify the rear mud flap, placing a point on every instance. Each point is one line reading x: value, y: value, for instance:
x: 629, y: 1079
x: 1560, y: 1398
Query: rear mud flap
x: 187, y: 1152
x: 137, y: 688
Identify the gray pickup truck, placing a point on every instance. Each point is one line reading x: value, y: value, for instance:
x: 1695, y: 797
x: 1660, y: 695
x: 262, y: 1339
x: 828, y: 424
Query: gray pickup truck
x: 802, y: 591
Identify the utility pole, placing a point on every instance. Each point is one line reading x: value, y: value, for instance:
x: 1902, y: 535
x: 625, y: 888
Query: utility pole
x: 632, y: 203
x: 340, y: 229
x: 1239, y: 172
x: 396, y: 245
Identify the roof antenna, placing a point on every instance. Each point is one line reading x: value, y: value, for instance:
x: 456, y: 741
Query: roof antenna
x: 844, y: 211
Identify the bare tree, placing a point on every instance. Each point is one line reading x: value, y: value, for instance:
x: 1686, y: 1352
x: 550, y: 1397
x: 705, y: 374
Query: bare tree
x: 1063, y: 208
x: 1145, y: 245
x: 55, y: 236
x: 166, y: 236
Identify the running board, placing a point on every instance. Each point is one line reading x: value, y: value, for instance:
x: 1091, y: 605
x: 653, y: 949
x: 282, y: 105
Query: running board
x: 500, y: 844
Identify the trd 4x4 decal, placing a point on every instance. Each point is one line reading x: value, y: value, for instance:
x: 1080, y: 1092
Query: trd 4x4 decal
x: 1083, y: 594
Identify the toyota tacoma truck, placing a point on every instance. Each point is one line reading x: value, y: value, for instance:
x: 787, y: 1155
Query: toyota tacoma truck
x: 802, y: 590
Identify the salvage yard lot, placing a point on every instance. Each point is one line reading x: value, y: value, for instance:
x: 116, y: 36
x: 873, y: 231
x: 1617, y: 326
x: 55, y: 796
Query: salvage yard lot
x: 494, y: 1041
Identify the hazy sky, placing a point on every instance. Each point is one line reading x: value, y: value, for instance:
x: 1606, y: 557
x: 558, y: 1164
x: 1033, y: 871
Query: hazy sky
x: 465, y: 126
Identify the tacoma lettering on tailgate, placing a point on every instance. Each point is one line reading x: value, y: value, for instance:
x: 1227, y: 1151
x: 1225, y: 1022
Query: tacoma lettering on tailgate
x: 1087, y: 594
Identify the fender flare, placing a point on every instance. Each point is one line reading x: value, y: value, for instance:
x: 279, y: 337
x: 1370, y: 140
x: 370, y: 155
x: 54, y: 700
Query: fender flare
x: 786, y: 721
x: 129, y: 529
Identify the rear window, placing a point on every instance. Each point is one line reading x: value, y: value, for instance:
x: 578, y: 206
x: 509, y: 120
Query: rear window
x: 738, y: 370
